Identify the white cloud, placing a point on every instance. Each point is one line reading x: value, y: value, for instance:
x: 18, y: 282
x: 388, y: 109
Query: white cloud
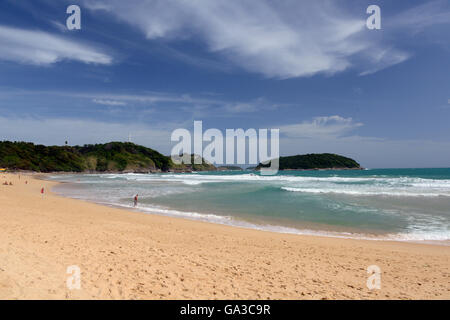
x: 384, y: 58
x: 201, y: 105
x: 58, y: 25
x: 255, y: 105
x: 109, y: 102
x: 281, y: 39
x: 42, y: 48
x: 422, y: 16
x: 150, y: 98
x: 320, y: 127
x: 241, y: 107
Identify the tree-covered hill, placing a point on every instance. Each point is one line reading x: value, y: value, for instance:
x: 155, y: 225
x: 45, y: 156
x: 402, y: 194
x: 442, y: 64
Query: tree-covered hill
x: 119, y: 156
x: 315, y: 161
x: 27, y: 156
x: 108, y: 157
x: 129, y: 157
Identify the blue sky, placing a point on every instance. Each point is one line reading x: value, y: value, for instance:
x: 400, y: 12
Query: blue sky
x: 310, y: 68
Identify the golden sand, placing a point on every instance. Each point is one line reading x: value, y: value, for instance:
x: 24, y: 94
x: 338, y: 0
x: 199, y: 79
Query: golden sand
x: 132, y: 255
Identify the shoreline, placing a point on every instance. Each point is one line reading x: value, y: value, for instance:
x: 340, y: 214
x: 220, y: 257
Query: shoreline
x: 247, y: 225
x: 326, y: 231
x: 138, y: 255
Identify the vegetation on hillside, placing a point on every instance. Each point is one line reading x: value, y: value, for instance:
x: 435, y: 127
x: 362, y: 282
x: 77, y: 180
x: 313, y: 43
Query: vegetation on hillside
x: 118, y: 156
x: 108, y: 157
x: 27, y: 156
x: 129, y: 157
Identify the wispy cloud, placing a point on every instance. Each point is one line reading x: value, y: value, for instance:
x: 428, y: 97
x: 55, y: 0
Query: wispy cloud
x: 280, y: 39
x: 422, y: 16
x: 42, y: 48
x: 383, y: 58
x: 255, y: 105
x: 320, y: 127
x: 109, y: 102
x: 58, y: 25
x: 206, y: 104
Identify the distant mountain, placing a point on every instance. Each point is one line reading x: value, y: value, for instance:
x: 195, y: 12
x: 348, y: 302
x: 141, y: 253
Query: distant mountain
x: 315, y: 162
x: 108, y: 157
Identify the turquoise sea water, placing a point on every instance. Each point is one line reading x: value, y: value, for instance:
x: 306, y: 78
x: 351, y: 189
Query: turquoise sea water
x: 398, y: 204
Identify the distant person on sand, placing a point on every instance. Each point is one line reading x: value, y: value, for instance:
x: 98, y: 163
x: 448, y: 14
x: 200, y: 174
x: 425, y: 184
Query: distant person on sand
x: 42, y: 192
x: 136, y: 200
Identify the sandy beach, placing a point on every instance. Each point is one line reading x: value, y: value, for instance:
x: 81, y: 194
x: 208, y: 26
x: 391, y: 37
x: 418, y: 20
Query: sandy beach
x: 132, y: 255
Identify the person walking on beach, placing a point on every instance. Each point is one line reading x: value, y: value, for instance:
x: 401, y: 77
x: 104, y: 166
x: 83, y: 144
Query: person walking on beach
x: 42, y: 192
x: 136, y: 200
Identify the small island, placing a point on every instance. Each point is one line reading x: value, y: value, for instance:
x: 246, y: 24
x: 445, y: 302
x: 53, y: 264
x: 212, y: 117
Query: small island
x: 315, y: 161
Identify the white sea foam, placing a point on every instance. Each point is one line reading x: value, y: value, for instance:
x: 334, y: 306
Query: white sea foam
x: 197, y: 179
x: 357, y: 186
x: 393, y: 193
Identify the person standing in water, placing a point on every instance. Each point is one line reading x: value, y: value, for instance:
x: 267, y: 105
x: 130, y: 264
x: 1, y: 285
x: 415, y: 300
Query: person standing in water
x: 136, y: 200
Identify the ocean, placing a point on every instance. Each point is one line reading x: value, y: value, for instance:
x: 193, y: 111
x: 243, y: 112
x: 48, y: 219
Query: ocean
x: 377, y: 204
